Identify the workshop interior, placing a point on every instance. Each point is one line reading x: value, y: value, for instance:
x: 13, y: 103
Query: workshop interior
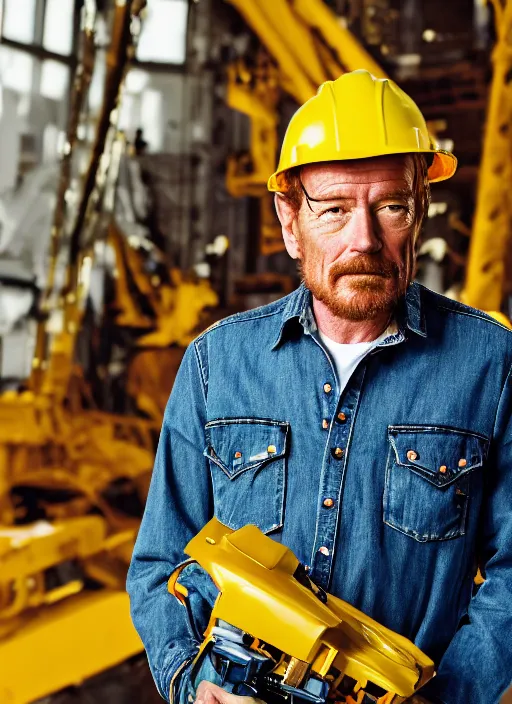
x: 136, y: 141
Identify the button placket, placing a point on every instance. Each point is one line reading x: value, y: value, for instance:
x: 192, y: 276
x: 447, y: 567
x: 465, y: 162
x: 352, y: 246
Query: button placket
x: 331, y: 481
x: 328, y: 404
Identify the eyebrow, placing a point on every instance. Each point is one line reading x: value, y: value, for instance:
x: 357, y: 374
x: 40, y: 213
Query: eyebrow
x: 402, y: 193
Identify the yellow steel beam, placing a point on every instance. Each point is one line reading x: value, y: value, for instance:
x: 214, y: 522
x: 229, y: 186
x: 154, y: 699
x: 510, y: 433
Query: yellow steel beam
x: 492, y: 224
x: 62, y: 645
x: 296, y: 37
x: 350, y: 52
x: 332, y: 68
x: 26, y: 550
x: 299, y: 85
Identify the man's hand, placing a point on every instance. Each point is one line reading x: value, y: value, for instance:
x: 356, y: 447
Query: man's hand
x: 209, y: 693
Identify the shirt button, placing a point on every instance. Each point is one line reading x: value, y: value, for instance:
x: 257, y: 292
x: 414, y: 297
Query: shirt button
x: 327, y: 388
x: 443, y: 469
x: 337, y: 452
x: 342, y: 417
x: 324, y: 550
x: 462, y: 462
x: 325, y: 424
x: 412, y: 455
x: 328, y: 503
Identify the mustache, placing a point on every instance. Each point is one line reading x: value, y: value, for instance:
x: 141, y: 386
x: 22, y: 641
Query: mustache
x: 365, y: 264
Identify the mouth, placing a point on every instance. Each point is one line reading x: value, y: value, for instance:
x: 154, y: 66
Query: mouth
x: 367, y: 273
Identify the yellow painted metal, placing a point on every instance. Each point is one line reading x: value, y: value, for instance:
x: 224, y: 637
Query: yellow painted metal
x: 296, y: 37
x: 64, y: 644
x: 56, y: 633
x: 256, y: 14
x: 492, y: 224
x: 500, y: 317
x: 177, y: 303
x: 27, y: 550
x: 351, y: 54
x: 260, y: 595
x: 355, y: 117
x: 180, y: 308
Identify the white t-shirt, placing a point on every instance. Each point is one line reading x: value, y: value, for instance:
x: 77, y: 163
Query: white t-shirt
x: 346, y: 357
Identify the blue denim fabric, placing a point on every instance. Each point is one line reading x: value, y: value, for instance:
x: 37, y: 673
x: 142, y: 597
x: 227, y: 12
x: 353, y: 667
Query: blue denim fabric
x: 404, y: 535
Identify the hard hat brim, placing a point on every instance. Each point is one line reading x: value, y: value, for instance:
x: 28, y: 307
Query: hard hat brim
x: 443, y: 167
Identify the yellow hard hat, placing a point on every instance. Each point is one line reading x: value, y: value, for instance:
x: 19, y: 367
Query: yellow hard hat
x: 355, y: 117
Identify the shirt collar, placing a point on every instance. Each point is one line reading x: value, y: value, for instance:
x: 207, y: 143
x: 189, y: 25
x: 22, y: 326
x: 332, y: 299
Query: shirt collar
x: 299, y: 308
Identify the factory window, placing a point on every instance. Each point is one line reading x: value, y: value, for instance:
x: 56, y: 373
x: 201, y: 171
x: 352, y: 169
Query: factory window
x: 16, y: 69
x: 19, y: 20
x: 129, y: 112
x: 54, y: 80
x: 164, y: 32
x: 136, y: 80
x: 152, y: 119
x: 40, y: 24
x: 98, y: 81
x: 58, y: 26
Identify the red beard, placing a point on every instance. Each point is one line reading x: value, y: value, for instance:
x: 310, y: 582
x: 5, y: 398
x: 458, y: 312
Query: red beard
x: 362, y: 297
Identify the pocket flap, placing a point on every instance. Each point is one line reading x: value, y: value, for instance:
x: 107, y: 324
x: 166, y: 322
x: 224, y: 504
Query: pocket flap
x: 439, y: 455
x: 237, y: 445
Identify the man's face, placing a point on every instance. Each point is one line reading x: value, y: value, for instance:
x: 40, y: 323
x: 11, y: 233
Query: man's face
x: 354, y: 234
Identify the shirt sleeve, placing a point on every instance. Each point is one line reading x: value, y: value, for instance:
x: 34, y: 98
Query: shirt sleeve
x: 179, y: 504
x: 477, y: 666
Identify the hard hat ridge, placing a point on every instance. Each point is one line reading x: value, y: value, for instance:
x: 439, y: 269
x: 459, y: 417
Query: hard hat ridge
x: 358, y: 116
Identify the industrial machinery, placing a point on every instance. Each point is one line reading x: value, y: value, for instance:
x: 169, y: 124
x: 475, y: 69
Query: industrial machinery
x: 74, y: 474
x: 275, y: 635
x: 489, y: 258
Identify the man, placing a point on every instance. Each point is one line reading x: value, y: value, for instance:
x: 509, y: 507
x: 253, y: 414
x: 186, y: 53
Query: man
x: 363, y: 421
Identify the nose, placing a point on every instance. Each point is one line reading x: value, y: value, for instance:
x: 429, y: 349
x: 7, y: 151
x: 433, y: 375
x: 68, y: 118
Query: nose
x: 360, y: 233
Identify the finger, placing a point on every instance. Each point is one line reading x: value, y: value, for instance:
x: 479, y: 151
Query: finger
x: 209, y: 693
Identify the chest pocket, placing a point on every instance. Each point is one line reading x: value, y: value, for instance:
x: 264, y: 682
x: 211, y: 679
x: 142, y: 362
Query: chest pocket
x: 247, y: 463
x: 431, y: 475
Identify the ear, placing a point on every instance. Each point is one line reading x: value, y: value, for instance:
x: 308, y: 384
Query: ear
x: 287, y: 217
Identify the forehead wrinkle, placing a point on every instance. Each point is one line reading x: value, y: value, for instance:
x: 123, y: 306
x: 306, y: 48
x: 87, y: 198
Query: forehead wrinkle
x: 404, y: 191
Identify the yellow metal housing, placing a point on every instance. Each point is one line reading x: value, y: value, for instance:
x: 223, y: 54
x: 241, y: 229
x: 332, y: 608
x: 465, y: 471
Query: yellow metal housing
x: 65, y: 644
x: 260, y: 595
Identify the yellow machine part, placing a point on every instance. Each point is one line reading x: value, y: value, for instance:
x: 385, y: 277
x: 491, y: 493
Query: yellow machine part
x: 500, y: 317
x: 492, y: 224
x: 260, y: 595
x: 65, y: 644
x: 350, y: 53
x: 26, y: 550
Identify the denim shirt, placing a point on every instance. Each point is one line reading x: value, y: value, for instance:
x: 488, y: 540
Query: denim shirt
x: 391, y: 492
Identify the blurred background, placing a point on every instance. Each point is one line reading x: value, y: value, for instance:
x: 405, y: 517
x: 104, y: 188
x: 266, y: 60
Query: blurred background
x: 136, y: 139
